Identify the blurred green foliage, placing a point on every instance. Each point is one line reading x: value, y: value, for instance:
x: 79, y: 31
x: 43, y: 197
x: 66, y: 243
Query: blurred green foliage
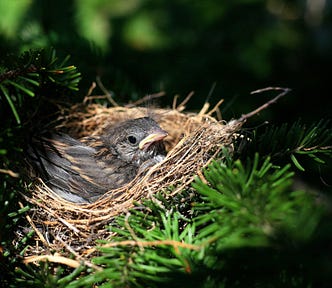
x: 143, y: 46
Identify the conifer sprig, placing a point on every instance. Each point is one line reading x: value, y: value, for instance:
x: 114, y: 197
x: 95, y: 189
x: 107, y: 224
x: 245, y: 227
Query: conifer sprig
x: 247, y: 204
x: 235, y: 206
x: 293, y: 140
x: 25, y: 75
x: 147, y: 248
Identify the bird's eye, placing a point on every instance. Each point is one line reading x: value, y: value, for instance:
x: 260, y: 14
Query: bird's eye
x: 132, y: 139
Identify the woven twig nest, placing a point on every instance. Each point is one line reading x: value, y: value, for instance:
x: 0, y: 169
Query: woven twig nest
x: 67, y: 228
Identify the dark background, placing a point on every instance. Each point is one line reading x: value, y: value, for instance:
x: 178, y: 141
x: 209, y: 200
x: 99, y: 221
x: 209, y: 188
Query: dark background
x: 139, y: 47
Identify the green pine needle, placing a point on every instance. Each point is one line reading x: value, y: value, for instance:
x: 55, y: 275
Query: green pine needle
x: 11, y: 104
x: 22, y: 88
x: 297, y: 163
x: 31, y: 81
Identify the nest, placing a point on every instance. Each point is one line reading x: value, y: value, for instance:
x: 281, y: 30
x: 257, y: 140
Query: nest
x: 67, y: 228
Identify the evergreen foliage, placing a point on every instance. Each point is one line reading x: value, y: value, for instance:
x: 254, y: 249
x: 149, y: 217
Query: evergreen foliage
x: 293, y: 140
x: 243, y: 223
x: 246, y: 226
x: 33, y: 72
x: 25, y: 81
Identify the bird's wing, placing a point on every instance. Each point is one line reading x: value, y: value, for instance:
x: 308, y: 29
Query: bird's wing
x: 72, y: 168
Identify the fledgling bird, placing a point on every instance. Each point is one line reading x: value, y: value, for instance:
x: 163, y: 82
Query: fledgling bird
x: 83, y: 170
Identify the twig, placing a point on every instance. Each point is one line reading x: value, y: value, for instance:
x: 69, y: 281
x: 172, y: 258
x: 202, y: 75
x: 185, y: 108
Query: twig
x: 204, y: 109
x: 10, y: 173
x: 92, y: 87
x: 52, y: 258
x: 182, y: 106
x: 173, y: 243
x: 108, y: 95
x: 244, y: 117
x: 40, y: 235
x: 146, y: 98
x: 215, y: 108
x: 72, y: 251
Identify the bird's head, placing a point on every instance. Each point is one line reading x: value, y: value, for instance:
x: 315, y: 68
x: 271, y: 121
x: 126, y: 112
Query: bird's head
x: 138, y: 140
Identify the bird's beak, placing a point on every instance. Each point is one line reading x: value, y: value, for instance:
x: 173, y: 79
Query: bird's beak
x: 154, y: 137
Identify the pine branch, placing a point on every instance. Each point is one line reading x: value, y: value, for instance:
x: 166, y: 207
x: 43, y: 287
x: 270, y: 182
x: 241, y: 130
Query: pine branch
x: 251, y: 201
x: 145, y: 250
x: 27, y: 74
x: 292, y: 140
x: 22, y: 81
x: 237, y: 207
